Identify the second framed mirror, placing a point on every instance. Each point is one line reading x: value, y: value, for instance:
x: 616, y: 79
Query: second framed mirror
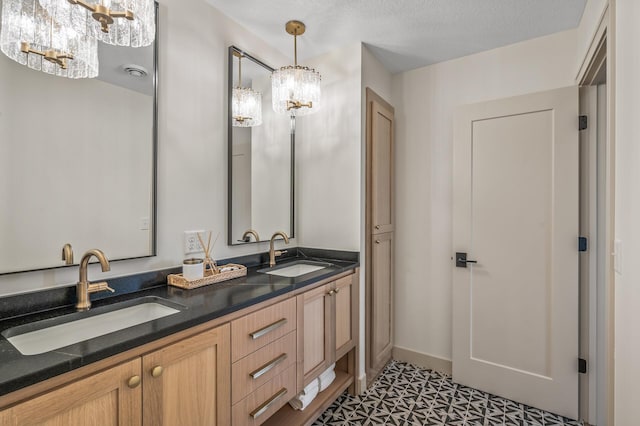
x: 261, y: 155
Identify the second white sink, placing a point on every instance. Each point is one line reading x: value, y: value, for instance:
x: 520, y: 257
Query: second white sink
x: 53, y: 337
x: 296, y: 269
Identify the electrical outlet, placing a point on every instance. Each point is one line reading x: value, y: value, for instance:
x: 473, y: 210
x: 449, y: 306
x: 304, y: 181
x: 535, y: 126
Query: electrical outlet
x: 191, y: 242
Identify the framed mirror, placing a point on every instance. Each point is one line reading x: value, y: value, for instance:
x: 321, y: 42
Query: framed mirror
x: 261, y: 155
x: 78, y: 160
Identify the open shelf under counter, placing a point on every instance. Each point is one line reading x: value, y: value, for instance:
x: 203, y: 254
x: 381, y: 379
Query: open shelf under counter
x: 288, y: 416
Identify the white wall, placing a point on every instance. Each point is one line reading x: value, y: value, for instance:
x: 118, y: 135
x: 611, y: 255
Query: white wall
x: 328, y: 156
x: 424, y: 100
x: 627, y: 211
x: 192, y: 162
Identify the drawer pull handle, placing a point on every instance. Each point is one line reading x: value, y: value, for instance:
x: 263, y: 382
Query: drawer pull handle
x: 258, y: 334
x: 267, y: 404
x: 268, y: 366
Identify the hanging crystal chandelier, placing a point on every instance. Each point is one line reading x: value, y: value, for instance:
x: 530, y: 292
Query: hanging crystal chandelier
x: 295, y: 89
x: 118, y: 22
x: 31, y: 37
x: 246, y: 103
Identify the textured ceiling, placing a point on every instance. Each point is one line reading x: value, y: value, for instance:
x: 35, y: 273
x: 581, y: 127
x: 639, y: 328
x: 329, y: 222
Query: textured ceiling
x: 403, y: 34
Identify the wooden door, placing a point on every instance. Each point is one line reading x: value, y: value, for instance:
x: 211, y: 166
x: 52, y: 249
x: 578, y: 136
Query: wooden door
x: 188, y: 382
x: 345, y: 319
x: 316, y: 352
x: 515, y: 312
x: 381, y: 306
x: 382, y: 177
x: 379, y: 234
x: 101, y: 399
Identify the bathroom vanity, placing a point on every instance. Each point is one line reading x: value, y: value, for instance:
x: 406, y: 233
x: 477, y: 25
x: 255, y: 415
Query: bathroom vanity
x: 233, y: 353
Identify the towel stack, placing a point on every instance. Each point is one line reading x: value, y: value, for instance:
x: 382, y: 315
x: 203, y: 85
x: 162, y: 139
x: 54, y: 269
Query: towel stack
x: 327, y: 377
x: 308, y: 394
x: 304, y: 398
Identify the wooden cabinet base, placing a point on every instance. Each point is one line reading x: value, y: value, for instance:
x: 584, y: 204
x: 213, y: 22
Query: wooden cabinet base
x: 288, y: 416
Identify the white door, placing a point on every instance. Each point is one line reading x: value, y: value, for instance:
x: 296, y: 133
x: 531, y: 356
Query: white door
x: 515, y: 212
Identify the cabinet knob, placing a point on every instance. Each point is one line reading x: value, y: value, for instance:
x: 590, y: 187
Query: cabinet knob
x: 134, y: 382
x: 331, y: 293
x: 337, y: 290
x: 157, y: 371
x: 377, y: 241
x: 377, y: 226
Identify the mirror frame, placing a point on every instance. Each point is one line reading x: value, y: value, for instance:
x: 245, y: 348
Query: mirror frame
x: 154, y: 167
x: 292, y: 134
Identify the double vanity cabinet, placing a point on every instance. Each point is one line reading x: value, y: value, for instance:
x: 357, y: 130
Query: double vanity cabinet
x: 239, y: 369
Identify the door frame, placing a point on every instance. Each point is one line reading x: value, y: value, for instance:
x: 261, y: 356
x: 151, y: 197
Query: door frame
x: 601, y: 52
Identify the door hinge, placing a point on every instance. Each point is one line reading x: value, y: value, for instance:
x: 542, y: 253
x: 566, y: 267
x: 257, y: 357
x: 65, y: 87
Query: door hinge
x: 583, y: 122
x: 582, y: 366
x: 582, y: 244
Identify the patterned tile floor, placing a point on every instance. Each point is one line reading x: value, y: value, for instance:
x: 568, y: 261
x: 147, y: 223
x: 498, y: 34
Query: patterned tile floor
x: 407, y: 395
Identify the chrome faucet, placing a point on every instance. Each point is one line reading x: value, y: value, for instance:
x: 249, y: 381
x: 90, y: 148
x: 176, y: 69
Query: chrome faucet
x: 84, y: 287
x: 272, y: 252
x: 246, y: 238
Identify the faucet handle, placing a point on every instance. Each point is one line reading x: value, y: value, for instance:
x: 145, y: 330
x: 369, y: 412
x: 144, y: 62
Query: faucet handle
x: 280, y: 252
x: 100, y: 286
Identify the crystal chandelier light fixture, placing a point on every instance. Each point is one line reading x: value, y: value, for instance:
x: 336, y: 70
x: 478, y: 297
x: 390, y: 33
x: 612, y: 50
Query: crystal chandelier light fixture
x: 117, y: 22
x: 32, y: 37
x: 295, y: 89
x: 246, y: 103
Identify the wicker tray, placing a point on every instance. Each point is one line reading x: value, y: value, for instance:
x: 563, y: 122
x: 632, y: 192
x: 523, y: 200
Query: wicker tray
x: 177, y: 280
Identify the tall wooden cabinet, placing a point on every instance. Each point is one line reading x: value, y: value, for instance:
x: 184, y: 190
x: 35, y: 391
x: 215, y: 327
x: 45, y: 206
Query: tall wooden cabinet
x: 379, y: 234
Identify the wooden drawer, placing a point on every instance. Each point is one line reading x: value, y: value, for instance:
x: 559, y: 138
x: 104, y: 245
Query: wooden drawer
x: 266, y: 400
x: 254, y: 370
x: 260, y: 328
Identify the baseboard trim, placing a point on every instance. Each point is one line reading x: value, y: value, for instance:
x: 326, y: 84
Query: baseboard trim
x: 422, y: 360
x: 361, y: 384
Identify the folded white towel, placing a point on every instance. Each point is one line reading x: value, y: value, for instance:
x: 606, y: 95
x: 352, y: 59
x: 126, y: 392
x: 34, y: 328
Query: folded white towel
x: 304, y: 398
x: 327, y: 377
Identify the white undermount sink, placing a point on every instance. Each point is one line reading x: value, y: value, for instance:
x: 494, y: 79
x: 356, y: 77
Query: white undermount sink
x: 45, y: 336
x: 296, y: 268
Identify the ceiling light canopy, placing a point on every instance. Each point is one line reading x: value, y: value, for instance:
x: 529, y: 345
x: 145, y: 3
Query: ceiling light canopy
x: 117, y: 22
x: 246, y: 103
x: 295, y: 89
x: 30, y: 36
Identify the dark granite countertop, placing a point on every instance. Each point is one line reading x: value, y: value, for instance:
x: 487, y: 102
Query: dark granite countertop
x: 200, y: 305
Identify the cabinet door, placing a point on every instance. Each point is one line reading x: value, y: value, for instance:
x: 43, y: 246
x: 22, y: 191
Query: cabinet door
x: 102, y: 399
x: 381, y: 167
x: 345, y: 323
x: 188, y: 382
x: 315, y: 352
x: 381, y: 302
